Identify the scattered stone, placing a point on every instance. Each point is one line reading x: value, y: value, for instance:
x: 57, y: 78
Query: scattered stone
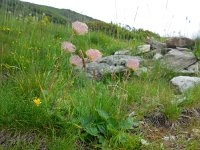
x: 180, y: 42
x: 108, y: 65
x: 169, y: 138
x: 122, y: 52
x: 183, y: 83
x: 143, y: 48
x: 179, y: 60
x: 144, y: 142
x: 157, y: 56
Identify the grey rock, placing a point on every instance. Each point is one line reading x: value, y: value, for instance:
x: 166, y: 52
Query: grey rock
x: 165, y: 50
x: 143, y: 48
x: 157, y: 56
x: 115, y: 60
x: 108, y: 65
x: 150, y: 54
x: 183, y: 83
x: 156, y: 44
x: 183, y: 49
x: 122, y: 52
x: 180, y: 42
x: 178, y: 60
x: 193, y: 69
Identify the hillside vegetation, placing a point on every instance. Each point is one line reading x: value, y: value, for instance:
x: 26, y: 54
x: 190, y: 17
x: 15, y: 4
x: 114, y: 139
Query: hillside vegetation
x: 25, y: 9
x: 46, y: 104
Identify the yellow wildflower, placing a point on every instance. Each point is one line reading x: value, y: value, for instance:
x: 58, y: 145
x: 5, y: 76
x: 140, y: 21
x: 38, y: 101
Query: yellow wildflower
x: 37, y: 101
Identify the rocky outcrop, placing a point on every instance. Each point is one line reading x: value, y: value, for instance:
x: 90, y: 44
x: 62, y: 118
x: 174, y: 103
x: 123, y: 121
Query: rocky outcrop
x: 179, y: 58
x: 180, y: 42
x: 183, y: 83
x: 108, y: 65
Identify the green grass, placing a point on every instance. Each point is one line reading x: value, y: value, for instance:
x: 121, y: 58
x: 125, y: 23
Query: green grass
x: 76, y: 112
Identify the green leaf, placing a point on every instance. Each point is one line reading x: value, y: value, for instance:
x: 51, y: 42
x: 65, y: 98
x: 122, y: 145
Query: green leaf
x: 92, y: 131
x: 103, y: 114
x: 102, y: 129
x: 112, y: 125
x: 126, y: 124
x: 86, y: 121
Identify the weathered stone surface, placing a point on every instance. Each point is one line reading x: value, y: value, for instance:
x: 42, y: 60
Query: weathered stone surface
x: 193, y: 69
x: 150, y: 54
x: 116, y: 60
x: 143, y: 48
x: 180, y: 42
x: 183, y: 83
x: 183, y: 49
x: 178, y: 60
x: 155, y: 44
x: 157, y: 56
x: 122, y: 52
x: 108, y: 65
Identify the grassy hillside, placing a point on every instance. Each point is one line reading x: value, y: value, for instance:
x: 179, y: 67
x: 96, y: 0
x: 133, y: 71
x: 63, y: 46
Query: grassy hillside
x: 77, y: 113
x: 29, y: 12
x: 24, y: 9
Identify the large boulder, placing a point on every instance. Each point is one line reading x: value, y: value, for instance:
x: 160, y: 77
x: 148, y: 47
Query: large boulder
x: 179, y: 60
x: 108, y: 65
x: 183, y: 83
x: 180, y: 42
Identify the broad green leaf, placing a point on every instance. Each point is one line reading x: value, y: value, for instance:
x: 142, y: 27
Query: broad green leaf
x: 112, y: 125
x: 86, y: 121
x: 102, y: 129
x: 103, y: 114
x: 92, y: 131
x: 126, y: 124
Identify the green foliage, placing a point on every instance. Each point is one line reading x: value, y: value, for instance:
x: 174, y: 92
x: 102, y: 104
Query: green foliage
x: 22, y: 10
x: 102, y: 127
x: 171, y: 110
x: 120, y: 32
x: 197, y: 48
x: 73, y: 108
x: 192, y: 97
